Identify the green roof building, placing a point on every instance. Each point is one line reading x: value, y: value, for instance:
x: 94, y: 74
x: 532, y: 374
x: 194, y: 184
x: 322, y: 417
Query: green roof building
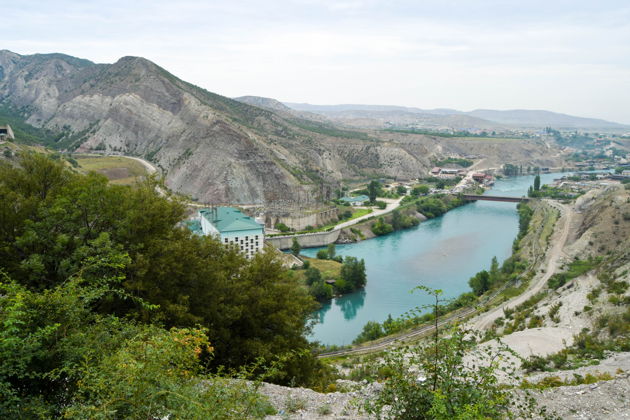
x: 232, y: 227
x: 358, y: 200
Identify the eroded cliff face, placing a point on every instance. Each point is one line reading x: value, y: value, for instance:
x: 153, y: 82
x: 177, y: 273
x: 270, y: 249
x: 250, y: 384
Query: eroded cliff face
x: 134, y: 107
x: 212, y: 148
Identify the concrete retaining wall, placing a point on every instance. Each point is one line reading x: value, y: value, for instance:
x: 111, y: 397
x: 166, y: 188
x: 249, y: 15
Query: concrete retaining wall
x: 307, y: 240
x: 299, y: 221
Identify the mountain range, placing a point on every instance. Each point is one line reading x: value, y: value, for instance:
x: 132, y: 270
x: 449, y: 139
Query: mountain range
x: 213, y: 148
x: 477, y: 119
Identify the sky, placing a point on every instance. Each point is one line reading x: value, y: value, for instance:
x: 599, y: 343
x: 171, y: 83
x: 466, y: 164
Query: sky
x: 569, y: 56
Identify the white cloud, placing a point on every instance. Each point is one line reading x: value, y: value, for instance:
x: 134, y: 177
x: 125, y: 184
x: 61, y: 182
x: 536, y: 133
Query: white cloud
x: 567, y: 56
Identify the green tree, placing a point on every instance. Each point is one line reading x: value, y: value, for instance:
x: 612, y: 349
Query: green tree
x: 353, y: 272
x: 373, y: 189
x: 494, y: 276
x: 331, y: 250
x: 371, y: 331
x: 420, y: 190
x: 381, y: 228
x: 480, y: 282
x: 321, y: 291
x: 282, y: 227
x: 397, y: 220
x: 322, y: 254
x: 431, y: 207
x: 313, y: 275
x: 401, y: 190
x: 537, y: 183
x: 295, y: 247
x: 510, y: 169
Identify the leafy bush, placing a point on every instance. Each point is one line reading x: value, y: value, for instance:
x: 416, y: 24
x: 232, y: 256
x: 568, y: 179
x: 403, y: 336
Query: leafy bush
x: 444, y: 389
x: 313, y: 275
x: 321, y: 291
x: 420, y: 190
x: 371, y: 331
x: 60, y: 359
x: 431, y: 380
x: 380, y: 228
x: 282, y: 227
x: 576, y: 268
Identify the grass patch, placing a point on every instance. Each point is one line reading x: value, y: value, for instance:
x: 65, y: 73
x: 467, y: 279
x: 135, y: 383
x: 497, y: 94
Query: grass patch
x: 118, y: 169
x: 330, y: 269
x: 293, y: 404
x: 556, y: 381
x: 359, y: 213
x: 586, y: 350
x: 575, y: 269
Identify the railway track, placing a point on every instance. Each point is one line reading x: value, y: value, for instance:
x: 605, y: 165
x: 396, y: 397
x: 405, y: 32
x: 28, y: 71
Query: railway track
x: 385, y: 343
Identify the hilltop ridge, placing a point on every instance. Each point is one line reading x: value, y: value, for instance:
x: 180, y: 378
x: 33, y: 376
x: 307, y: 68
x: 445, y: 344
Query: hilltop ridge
x: 213, y: 148
x: 477, y: 119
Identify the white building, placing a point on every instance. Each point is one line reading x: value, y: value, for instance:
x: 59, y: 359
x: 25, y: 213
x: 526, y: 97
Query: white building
x: 6, y: 132
x: 232, y: 227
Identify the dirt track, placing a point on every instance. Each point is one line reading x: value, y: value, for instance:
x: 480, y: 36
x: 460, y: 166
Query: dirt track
x: 559, y: 240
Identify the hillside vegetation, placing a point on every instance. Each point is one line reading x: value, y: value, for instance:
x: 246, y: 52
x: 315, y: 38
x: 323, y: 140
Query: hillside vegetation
x: 109, y: 308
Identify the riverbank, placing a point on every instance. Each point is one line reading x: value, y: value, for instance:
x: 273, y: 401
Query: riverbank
x: 319, y: 239
x: 535, y: 316
x: 512, y: 278
x: 441, y: 253
x: 397, y: 216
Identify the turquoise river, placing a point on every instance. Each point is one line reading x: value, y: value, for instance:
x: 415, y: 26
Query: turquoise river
x: 441, y: 253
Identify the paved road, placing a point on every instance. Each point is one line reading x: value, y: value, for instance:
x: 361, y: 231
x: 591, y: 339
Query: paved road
x: 391, y: 205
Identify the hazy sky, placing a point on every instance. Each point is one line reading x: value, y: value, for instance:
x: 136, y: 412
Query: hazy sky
x: 570, y: 56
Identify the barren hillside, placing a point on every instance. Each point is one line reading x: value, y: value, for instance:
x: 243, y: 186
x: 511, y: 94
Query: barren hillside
x: 213, y: 148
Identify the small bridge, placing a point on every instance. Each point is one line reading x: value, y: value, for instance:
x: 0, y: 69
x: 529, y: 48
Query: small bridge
x: 472, y: 197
